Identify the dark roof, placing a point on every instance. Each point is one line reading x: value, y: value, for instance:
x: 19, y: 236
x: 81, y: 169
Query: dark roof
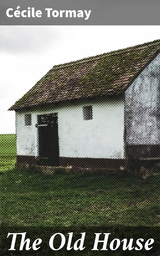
x: 106, y: 74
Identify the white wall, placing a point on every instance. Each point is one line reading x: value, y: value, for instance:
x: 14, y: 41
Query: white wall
x: 101, y: 137
x: 25, y: 136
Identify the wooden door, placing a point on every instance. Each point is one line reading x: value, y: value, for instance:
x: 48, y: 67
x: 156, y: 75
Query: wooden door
x: 48, y: 139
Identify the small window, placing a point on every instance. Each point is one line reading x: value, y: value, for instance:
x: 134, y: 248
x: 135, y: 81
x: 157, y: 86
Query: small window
x: 87, y: 113
x: 28, y: 120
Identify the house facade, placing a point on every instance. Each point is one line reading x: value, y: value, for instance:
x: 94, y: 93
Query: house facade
x: 82, y: 140
x: 94, y: 112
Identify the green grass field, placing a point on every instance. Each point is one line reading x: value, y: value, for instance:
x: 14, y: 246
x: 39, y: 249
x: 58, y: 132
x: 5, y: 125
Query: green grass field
x: 41, y: 205
x: 7, y: 151
x: 8, y: 145
x: 75, y: 200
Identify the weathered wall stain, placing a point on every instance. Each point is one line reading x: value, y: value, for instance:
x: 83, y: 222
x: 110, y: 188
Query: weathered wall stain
x: 142, y: 107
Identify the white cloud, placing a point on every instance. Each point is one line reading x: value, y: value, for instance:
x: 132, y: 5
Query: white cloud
x: 30, y: 40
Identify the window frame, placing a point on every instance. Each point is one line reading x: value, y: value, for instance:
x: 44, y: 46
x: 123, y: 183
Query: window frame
x: 87, y: 112
x: 28, y: 119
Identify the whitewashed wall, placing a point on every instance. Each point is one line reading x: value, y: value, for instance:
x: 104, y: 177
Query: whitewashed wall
x: 25, y: 136
x: 101, y: 137
x: 142, y: 107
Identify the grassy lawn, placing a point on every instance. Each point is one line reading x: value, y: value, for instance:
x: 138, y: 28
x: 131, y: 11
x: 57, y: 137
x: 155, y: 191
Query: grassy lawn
x: 84, y: 202
x: 78, y: 199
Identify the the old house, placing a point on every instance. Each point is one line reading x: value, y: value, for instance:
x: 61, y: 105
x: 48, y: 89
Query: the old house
x: 94, y: 112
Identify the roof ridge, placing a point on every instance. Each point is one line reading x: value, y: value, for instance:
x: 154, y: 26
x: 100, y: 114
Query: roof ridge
x: 99, y: 56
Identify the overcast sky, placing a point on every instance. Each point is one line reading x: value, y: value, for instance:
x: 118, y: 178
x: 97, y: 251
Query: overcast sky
x: 27, y: 53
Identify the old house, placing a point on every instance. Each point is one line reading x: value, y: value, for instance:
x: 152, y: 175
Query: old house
x: 94, y: 112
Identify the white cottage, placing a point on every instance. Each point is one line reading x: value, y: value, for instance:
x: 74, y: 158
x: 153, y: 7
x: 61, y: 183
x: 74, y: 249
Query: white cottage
x: 95, y: 112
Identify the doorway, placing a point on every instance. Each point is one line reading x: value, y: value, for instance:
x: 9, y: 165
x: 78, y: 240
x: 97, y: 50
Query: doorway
x: 48, y: 139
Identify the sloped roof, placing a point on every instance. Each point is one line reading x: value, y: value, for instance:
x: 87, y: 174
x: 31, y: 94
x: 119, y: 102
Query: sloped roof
x: 106, y: 74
